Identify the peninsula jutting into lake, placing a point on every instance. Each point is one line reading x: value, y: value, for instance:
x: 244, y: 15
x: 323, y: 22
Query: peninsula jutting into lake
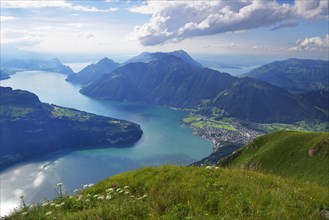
x: 164, y: 109
x: 30, y: 128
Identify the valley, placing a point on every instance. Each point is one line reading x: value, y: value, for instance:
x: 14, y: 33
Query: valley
x: 163, y: 110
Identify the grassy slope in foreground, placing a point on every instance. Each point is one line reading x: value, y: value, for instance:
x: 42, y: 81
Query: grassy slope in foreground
x: 171, y: 192
x: 301, y: 155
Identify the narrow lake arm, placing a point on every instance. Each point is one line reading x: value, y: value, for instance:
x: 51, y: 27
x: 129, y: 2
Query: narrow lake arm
x: 30, y: 128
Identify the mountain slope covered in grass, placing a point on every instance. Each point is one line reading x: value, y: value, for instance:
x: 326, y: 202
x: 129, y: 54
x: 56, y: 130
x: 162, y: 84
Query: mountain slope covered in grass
x: 296, y: 75
x: 171, y: 192
x: 300, y: 155
x: 286, y: 178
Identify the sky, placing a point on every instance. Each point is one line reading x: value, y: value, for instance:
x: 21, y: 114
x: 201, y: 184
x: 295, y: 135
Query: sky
x: 236, y: 30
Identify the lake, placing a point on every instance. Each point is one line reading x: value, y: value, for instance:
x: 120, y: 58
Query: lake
x: 165, y: 141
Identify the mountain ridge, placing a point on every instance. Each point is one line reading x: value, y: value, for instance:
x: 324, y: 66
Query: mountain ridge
x: 93, y: 72
x: 52, y: 65
x: 172, y: 82
x: 296, y: 75
x: 147, y: 57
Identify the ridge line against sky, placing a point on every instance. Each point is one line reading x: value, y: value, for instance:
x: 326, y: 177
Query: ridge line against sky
x: 284, y: 28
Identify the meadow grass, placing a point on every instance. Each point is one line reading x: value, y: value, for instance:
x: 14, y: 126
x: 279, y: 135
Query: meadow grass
x: 300, y: 155
x: 173, y: 192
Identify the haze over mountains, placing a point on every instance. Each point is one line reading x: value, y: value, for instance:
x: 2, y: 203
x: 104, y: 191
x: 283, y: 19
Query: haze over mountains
x: 53, y: 65
x: 175, y: 79
x: 295, y: 75
x: 171, y: 81
x: 93, y: 72
x: 147, y: 57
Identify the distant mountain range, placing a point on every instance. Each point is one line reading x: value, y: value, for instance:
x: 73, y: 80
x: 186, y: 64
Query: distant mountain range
x: 93, y: 72
x: 171, y: 81
x: 176, y: 79
x: 29, y: 128
x: 53, y: 65
x: 295, y: 75
x: 105, y: 66
x: 5, y: 73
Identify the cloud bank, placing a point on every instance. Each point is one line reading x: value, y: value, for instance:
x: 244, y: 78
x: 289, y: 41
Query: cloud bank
x: 173, y: 21
x: 33, y: 4
x: 312, y: 44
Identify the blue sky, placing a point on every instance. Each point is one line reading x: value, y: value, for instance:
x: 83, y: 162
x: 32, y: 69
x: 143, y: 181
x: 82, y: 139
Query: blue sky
x: 241, y: 28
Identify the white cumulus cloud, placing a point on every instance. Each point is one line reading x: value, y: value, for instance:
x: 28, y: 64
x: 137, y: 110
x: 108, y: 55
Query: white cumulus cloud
x: 174, y: 21
x: 312, y: 44
x: 312, y: 8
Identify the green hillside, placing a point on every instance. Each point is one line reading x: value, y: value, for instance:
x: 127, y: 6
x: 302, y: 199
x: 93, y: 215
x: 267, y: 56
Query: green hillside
x: 301, y: 155
x: 284, y: 175
x: 296, y: 75
x: 171, y: 192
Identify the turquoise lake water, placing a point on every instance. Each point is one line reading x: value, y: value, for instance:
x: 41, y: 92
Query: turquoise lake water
x: 165, y: 141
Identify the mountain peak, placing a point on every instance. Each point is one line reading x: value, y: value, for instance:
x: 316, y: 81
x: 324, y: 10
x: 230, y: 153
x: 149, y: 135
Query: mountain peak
x: 55, y: 60
x: 147, y: 57
x: 105, y: 60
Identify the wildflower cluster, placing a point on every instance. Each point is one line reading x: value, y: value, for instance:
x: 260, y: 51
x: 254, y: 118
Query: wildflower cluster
x: 211, y: 167
x: 80, y: 200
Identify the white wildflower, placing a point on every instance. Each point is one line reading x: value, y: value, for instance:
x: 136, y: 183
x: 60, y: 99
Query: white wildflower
x: 59, y: 184
x: 100, y: 197
x: 52, y: 204
x: 143, y: 197
x: 24, y: 213
x: 118, y: 189
x: 33, y: 206
x: 108, y: 197
x: 87, y: 200
x: 126, y: 187
x: 49, y: 213
x: 109, y: 190
x: 45, y: 204
x: 127, y: 192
